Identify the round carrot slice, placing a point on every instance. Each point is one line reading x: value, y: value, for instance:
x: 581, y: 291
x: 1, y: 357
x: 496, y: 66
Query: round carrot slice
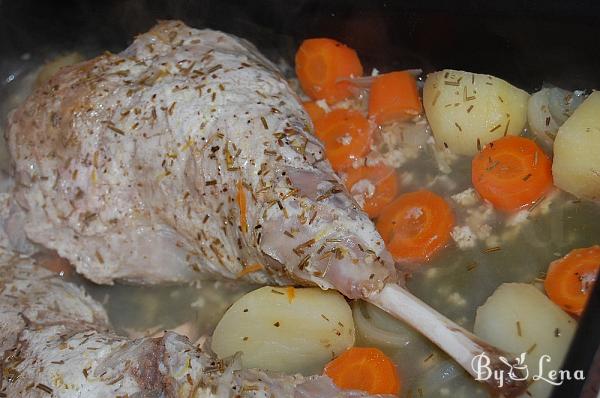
x: 570, y: 279
x: 394, y: 97
x: 321, y: 63
x: 377, y: 184
x: 416, y: 225
x: 364, y: 368
x: 314, y: 111
x: 511, y: 173
x: 346, y: 135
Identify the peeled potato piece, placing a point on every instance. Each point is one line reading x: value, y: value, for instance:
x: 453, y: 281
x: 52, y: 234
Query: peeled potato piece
x: 467, y: 110
x: 576, y: 167
x: 285, y: 329
x: 519, y: 318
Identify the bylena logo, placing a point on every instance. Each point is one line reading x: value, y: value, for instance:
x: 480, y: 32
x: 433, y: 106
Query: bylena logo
x: 518, y: 370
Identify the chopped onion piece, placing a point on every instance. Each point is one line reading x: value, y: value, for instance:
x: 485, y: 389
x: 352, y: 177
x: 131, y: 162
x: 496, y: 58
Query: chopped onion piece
x: 562, y: 103
x: 549, y: 108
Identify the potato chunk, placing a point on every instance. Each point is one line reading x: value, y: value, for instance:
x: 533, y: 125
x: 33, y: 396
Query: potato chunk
x: 576, y: 167
x: 297, y: 330
x: 469, y: 110
x: 519, y: 318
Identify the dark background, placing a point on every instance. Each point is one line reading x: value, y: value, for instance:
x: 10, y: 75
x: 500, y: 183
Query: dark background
x: 525, y: 42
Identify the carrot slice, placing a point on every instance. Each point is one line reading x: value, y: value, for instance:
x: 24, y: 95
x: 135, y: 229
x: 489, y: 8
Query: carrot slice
x: 346, y: 135
x: 570, y: 279
x: 416, y: 225
x: 394, y: 97
x: 381, y: 179
x: 511, y: 173
x: 321, y: 63
x: 364, y: 368
x: 314, y: 111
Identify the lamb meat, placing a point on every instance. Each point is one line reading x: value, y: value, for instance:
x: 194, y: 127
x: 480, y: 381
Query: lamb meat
x: 133, y: 165
x: 56, y: 341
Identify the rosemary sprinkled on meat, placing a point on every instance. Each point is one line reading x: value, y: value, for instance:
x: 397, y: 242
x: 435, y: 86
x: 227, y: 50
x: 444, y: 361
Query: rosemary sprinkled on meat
x: 300, y: 248
x: 44, y: 388
x: 115, y: 128
x: 264, y: 122
x: 214, y: 69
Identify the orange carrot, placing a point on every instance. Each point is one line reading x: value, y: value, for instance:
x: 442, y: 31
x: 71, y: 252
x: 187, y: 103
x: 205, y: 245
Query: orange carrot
x: 366, y: 369
x: 291, y: 294
x: 511, y: 173
x: 320, y: 63
x: 394, y: 97
x: 314, y: 111
x: 241, y: 199
x: 346, y: 135
x: 570, y: 279
x: 384, y: 181
x: 416, y: 225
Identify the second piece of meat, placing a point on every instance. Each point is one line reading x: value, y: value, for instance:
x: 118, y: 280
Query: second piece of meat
x: 56, y: 341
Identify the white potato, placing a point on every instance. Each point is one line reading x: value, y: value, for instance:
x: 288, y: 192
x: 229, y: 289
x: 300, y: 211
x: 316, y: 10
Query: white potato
x: 519, y: 318
x: 465, y: 108
x: 276, y: 331
x: 576, y: 166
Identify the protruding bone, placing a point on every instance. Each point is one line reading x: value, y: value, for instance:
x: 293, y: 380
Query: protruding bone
x: 457, y: 342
